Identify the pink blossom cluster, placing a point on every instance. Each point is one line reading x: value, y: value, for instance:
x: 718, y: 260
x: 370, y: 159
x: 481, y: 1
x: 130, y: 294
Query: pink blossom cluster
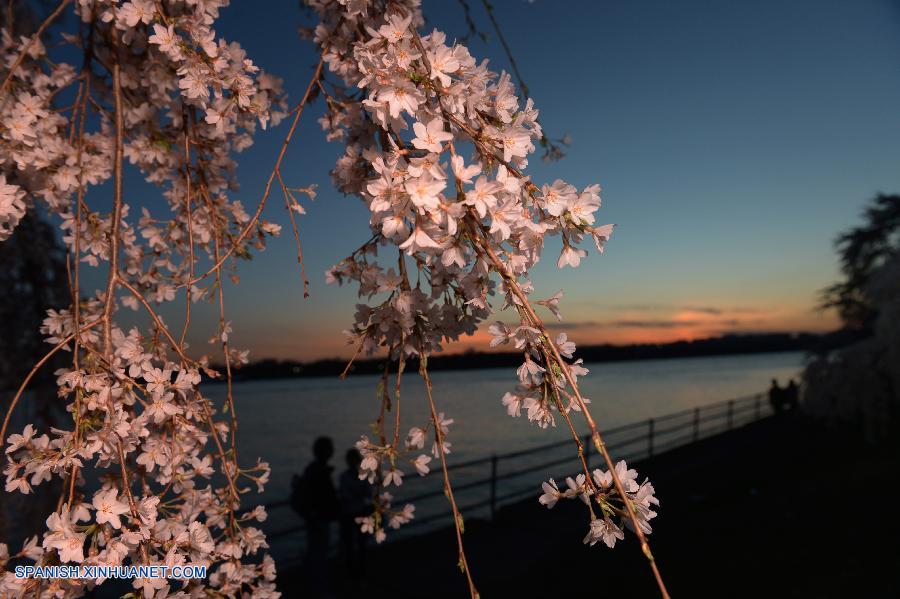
x: 380, y: 465
x: 436, y: 148
x: 598, y: 490
x: 155, y: 88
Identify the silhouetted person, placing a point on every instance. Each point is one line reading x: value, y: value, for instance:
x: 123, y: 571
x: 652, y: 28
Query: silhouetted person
x: 315, y: 499
x: 791, y: 395
x: 776, y: 397
x: 356, y: 500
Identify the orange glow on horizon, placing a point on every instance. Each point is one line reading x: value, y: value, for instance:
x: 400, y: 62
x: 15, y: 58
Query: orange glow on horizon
x: 623, y: 326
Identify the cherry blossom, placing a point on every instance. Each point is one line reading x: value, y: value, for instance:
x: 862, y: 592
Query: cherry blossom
x: 109, y: 508
x: 436, y: 147
x: 551, y: 494
x: 599, y: 490
x: 12, y: 208
x: 146, y: 78
x: 430, y: 137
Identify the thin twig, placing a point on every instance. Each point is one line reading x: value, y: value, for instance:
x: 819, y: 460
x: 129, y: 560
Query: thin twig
x: 37, y: 35
x: 448, y: 489
x: 116, y: 216
x: 156, y: 319
x: 509, y: 55
x: 190, y: 228
x: 597, y: 439
x: 268, y: 188
x: 33, y: 371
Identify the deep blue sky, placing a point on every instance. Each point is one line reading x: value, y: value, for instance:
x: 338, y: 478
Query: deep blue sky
x: 732, y: 140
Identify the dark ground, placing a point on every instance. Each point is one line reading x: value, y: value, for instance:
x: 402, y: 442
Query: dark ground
x: 779, y: 508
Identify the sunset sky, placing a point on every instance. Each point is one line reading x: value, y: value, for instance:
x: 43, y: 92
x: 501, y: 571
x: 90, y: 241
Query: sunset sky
x: 732, y: 141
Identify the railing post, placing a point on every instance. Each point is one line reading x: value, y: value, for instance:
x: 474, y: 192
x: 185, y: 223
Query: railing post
x: 730, y: 413
x: 650, y: 437
x: 756, y: 406
x: 493, y: 485
x: 696, y: 424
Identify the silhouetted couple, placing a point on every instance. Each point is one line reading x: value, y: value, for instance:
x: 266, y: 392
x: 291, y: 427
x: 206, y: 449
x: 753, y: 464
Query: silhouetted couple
x: 314, y: 497
x: 783, y: 399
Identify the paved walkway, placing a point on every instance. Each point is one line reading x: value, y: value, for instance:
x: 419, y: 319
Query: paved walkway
x: 767, y: 510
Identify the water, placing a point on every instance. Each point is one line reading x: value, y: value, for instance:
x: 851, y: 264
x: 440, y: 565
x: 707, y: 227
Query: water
x: 279, y: 419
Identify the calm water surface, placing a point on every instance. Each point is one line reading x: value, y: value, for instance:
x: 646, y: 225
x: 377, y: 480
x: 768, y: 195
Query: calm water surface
x: 279, y: 419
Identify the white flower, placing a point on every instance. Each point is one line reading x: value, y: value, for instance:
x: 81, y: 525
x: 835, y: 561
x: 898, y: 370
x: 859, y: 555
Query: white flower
x: 627, y: 477
x: 200, y: 538
x: 558, y: 197
x: 397, y: 519
x: 393, y: 476
x: 551, y: 494
x: 581, y: 208
x: 418, y: 241
x: 516, y: 143
x: 566, y: 347
x: 530, y: 372
x: 69, y: 548
x: 162, y: 407
x: 505, y: 101
x: 462, y: 172
x: 538, y: 412
x: 513, y: 403
x: 400, y: 96
x: 483, y: 196
x: 577, y: 488
x: 443, y: 62
x: 62, y: 537
x: 194, y: 84
x: 109, y: 508
x: 395, y: 29
x: 416, y: 438
x: 444, y: 422
x: 394, y: 227
x: 366, y: 524
x: 424, y: 191
x: 157, y: 380
x: 526, y: 335
x: 421, y: 464
x: 601, y: 235
x: 17, y: 441
x: 368, y: 467
x: 552, y: 304
x: 167, y: 40
x: 270, y: 228
x: 436, y: 449
x: 603, y: 529
x: 500, y: 333
x: 570, y: 256
x: 147, y: 510
x: 642, y: 500
x: 12, y: 208
x: 602, y: 478
x: 136, y: 11
x: 430, y: 137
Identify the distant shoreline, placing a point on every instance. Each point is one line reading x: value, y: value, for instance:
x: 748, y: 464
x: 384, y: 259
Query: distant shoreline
x: 726, y: 345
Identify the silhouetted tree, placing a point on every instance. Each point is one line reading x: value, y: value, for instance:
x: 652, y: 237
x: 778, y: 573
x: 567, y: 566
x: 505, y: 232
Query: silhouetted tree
x: 33, y: 279
x: 859, y: 383
x: 862, y: 251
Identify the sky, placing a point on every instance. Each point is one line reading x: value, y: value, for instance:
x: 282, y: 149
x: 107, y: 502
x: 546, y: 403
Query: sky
x: 733, y: 141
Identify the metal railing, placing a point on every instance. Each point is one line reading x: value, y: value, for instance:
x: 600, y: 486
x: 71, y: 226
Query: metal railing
x: 635, y: 441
